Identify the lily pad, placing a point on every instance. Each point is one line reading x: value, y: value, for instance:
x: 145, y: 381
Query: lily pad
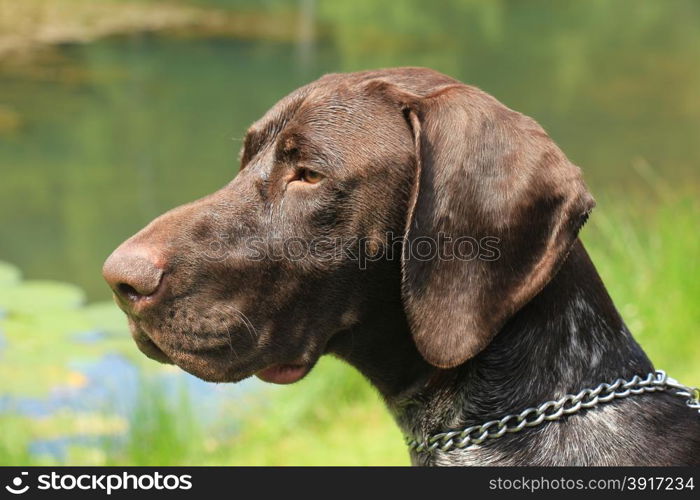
x: 107, y: 318
x: 9, y: 274
x: 39, y: 296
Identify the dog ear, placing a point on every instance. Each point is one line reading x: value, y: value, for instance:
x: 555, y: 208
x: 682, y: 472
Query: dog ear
x: 491, y: 177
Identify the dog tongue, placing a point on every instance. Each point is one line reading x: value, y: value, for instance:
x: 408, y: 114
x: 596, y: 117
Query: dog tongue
x: 282, y: 374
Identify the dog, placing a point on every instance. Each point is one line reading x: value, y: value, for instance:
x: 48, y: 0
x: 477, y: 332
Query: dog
x: 400, y: 169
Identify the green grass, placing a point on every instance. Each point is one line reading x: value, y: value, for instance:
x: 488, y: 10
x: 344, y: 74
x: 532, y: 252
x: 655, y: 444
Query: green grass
x: 333, y: 417
x: 160, y: 432
x: 646, y: 250
x: 647, y: 253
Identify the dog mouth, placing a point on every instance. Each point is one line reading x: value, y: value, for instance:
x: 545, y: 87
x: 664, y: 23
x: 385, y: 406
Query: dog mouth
x: 283, y: 374
x: 147, y: 346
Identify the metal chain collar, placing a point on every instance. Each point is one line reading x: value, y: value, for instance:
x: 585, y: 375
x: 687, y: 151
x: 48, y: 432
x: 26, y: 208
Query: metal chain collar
x: 554, y: 410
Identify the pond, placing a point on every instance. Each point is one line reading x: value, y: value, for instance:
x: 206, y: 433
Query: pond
x: 98, y: 139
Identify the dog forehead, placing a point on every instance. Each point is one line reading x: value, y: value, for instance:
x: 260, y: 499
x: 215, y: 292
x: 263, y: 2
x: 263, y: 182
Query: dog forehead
x: 319, y: 107
x: 337, y: 121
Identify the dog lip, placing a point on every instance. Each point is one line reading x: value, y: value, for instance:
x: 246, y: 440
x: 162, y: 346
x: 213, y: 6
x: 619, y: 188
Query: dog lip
x: 286, y: 373
x: 147, y: 346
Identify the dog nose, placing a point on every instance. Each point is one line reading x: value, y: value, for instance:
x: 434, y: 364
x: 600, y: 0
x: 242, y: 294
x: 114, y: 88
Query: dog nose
x: 133, y: 272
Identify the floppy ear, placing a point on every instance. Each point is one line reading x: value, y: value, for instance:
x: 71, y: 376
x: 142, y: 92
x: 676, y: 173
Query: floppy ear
x: 491, y: 177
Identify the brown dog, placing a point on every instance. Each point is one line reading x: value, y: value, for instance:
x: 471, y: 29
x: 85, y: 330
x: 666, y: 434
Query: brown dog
x: 419, y: 229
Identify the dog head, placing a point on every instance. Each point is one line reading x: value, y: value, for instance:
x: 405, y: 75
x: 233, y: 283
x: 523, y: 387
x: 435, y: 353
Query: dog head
x: 354, y: 184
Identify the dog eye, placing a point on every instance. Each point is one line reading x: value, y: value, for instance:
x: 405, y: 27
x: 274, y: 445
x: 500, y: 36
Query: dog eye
x: 310, y: 176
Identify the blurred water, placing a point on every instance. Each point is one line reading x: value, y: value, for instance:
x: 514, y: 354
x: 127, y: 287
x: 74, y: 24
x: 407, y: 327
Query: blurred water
x: 113, y: 388
x: 113, y: 385
x: 73, y: 371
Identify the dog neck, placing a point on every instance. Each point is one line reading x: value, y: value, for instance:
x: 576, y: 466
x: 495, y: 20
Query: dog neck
x: 569, y: 337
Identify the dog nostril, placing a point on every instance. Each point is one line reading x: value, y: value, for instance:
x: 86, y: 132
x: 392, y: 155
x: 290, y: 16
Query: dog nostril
x: 128, y: 291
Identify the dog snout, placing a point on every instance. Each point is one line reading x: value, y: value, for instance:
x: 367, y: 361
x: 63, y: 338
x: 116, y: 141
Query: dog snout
x: 135, y: 274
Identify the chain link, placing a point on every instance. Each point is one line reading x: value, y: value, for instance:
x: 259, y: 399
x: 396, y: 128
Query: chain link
x: 554, y: 410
